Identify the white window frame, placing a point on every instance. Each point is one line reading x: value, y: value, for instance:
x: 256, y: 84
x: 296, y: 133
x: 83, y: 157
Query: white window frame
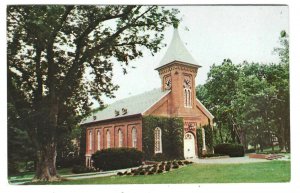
x: 108, y: 139
x: 98, y: 139
x: 157, y: 136
x: 91, y: 140
x: 120, y: 133
x: 134, y: 137
x: 187, y: 97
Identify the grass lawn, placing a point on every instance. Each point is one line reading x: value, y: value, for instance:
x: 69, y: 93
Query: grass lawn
x: 62, y: 171
x: 273, y: 171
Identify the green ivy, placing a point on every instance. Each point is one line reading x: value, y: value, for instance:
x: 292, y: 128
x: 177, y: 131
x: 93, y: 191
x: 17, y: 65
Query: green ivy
x: 199, y: 141
x: 172, y: 136
x: 209, y: 138
x: 209, y: 142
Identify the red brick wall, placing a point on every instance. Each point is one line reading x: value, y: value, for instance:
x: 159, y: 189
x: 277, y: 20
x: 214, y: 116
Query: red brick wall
x: 113, y: 127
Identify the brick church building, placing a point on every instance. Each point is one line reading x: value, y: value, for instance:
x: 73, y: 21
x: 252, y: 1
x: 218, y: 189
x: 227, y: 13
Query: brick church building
x: 120, y: 124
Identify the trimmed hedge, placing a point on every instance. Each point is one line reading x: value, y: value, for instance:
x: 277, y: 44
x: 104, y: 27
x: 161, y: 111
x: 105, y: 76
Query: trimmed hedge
x: 233, y: 150
x: 172, y: 137
x: 117, y: 158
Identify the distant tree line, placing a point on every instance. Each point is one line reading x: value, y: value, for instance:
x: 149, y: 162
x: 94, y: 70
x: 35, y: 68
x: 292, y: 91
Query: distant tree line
x: 250, y: 101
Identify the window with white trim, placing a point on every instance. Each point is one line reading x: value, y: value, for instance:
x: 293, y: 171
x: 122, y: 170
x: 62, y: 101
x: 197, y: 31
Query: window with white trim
x: 157, y: 140
x: 91, y: 140
x: 120, y: 133
x: 98, y: 139
x: 134, y: 137
x: 107, y: 139
x: 187, y: 92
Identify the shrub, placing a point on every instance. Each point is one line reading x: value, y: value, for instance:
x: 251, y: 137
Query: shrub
x: 212, y: 155
x: 161, y: 167
x: 233, y: 150
x: 159, y: 171
x: 117, y: 158
x: 168, y: 167
x: 159, y: 157
x: 250, y: 151
x: 180, y: 163
x: 186, y: 162
x: 69, y: 161
x: 148, y: 167
x: 136, y: 172
x: 78, y: 169
x: 153, y: 170
x: 142, y: 173
x: 175, y: 166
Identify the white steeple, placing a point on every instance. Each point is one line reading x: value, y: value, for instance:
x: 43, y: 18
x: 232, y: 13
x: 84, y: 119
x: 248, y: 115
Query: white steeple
x: 177, y: 52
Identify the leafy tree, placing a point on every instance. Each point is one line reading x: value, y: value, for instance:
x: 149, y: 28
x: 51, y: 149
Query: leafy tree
x: 250, y: 101
x: 217, y: 95
x: 52, y: 49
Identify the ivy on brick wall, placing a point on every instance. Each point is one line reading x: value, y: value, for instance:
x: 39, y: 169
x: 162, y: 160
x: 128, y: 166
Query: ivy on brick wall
x: 208, y: 139
x: 172, y: 137
x: 199, y: 141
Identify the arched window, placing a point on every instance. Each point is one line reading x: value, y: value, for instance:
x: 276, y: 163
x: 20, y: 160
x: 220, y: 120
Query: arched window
x: 107, y: 139
x: 189, y: 104
x: 98, y: 139
x: 187, y: 97
x: 134, y: 137
x: 91, y: 140
x: 120, y: 138
x: 157, y: 140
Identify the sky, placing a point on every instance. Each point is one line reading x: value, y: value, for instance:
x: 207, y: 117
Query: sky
x: 211, y: 34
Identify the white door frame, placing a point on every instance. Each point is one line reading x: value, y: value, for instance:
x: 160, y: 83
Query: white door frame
x: 189, y: 145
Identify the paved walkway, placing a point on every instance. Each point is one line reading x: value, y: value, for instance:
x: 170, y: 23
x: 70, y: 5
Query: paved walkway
x: 232, y: 160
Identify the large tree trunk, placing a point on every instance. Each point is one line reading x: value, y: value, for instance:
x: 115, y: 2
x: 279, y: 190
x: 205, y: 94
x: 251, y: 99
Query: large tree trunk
x: 46, y: 147
x: 46, y: 164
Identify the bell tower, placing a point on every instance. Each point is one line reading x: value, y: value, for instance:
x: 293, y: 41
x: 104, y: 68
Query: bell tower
x: 178, y: 71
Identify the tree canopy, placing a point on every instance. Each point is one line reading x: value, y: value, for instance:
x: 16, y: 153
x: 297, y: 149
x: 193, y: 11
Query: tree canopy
x: 250, y: 101
x: 60, y: 57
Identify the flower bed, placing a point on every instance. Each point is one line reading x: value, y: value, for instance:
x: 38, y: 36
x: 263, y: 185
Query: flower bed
x: 158, y: 168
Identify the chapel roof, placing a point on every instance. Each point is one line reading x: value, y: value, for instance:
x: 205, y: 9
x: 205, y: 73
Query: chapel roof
x: 177, y: 52
x: 133, y: 105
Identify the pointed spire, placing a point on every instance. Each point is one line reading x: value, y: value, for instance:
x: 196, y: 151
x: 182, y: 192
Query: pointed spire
x: 177, y: 52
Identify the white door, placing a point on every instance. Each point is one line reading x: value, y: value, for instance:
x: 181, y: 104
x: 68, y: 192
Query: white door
x: 189, y: 146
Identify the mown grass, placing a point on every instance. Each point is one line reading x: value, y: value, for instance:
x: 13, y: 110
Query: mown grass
x: 273, y: 171
x: 62, y: 171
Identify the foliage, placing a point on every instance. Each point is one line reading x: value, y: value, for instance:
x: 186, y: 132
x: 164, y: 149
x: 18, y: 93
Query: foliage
x: 117, y: 158
x: 69, y: 161
x: 199, y: 141
x: 212, y: 155
x: 233, y: 150
x: 209, y: 139
x: 20, y: 148
x: 159, y: 157
x: 79, y: 169
x: 172, y: 136
x: 60, y: 57
x: 250, y: 101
